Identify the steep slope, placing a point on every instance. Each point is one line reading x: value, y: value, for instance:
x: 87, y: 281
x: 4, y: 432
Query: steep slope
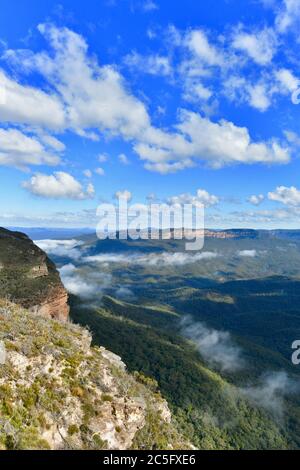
x: 58, y: 392
x: 29, y: 278
x: 211, y: 411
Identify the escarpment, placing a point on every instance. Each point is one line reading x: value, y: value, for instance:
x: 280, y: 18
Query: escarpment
x: 29, y: 278
x: 58, y: 392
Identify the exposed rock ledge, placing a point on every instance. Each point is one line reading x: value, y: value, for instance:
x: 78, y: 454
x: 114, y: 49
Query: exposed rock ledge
x: 55, y: 306
x: 58, y: 392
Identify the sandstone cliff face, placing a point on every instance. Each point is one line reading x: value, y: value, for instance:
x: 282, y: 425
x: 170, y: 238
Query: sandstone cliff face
x: 58, y: 392
x: 55, y: 304
x: 29, y: 278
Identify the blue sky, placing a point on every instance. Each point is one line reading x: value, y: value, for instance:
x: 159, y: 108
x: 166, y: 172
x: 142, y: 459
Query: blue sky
x: 187, y: 101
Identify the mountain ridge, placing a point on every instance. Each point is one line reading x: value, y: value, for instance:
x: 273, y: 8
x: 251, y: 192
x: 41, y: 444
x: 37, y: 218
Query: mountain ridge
x: 29, y: 277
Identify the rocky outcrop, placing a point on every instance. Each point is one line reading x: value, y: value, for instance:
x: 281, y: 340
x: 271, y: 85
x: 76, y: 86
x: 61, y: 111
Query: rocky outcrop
x: 57, y: 392
x: 38, y: 271
x: 55, y: 304
x: 29, y: 278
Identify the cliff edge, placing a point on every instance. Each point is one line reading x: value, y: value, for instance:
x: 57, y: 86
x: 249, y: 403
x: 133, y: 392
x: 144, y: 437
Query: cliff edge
x: 29, y: 278
x: 58, y: 392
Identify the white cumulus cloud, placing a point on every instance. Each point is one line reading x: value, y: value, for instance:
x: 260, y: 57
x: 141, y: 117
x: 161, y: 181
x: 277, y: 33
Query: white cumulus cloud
x: 60, y: 185
x: 31, y: 106
x: 19, y: 150
x: 256, y: 200
x: 289, y: 196
x: 151, y: 64
x: 288, y: 15
x: 198, y: 43
x: 259, y: 46
x: 99, y: 171
x: 101, y: 101
x: 123, y: 194
x: 202, y: 197
x: 123, y: 159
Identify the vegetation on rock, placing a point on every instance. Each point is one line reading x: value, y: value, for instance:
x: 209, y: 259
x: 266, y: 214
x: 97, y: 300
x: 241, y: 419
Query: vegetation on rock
x: 29, y: 278
x: 58, y: 392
